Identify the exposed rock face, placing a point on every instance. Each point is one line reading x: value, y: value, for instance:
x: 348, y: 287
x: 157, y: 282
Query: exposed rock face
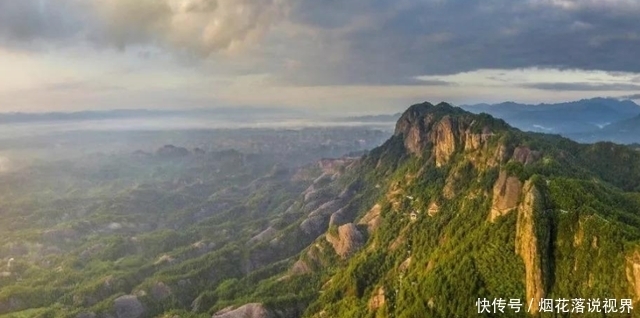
x: 499, y: 156
x: 372, y: 219
x: 525, y: 155
x: 254, y: 310
x: 578, y: 238
x: 86, y: 315
x: 633, y: 274
x: 348, y: 241
x: 450, y: 186
x: 433, y: 209
x: 425, y: 124
x: 340, y: 217
x: 128, y: 307
x: 445, y: 140
x: 533, y: 240
x: 378, y: 300
x: 318, y: 220
x: 506, y: 193
x: 405, y: 265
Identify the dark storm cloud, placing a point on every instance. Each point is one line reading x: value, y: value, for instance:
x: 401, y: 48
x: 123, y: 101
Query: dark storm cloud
x: 334, y: 42
x: 411, y: 38
x: 197, y: 26
x: 583, y: 86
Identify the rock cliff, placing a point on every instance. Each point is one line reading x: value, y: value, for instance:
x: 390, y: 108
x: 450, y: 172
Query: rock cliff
x: 533, y: 242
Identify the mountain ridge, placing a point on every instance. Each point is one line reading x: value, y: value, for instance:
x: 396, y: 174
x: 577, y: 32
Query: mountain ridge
x: 452, y: 208
x: 580, y: 116
x: 437, y: 142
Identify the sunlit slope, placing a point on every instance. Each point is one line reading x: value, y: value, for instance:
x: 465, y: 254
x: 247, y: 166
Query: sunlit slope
x: 472, y: 208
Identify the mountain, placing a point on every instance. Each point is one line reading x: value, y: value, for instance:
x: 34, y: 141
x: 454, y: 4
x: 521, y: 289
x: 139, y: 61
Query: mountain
x: 6, y: 118
x: 626, y: 131
x: 564, y: 118
x: 472, y: 208
x: 453, y: 208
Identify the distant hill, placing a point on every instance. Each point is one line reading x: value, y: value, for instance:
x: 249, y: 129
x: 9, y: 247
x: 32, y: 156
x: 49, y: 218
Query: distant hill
x: 626, y: 131
x: 6, y: 118
x: 238, y: 113
x: 581, y: 116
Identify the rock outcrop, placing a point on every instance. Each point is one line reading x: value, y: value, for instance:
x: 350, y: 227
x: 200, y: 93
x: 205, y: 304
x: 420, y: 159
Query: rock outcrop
x: 525, y: 155
x: 318, y: 219
x: 506, y: 194
x: 633, y: 274
x: 254, y: 310
x: 433, y: 209
x: 347, y: 241
x: 533, y: 240
x: 300, y: 267
x: 128, y: 307
x: 372, y: 219
x: 448, y: 129
x: 378, y: 300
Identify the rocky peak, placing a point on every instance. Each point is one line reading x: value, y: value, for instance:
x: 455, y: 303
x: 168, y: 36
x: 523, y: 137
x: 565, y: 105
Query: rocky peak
x: 423, y: 116
x: 533, y: 242
x: 447, y: 128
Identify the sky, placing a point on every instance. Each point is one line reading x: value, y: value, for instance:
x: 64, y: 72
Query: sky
x: 356, y: 56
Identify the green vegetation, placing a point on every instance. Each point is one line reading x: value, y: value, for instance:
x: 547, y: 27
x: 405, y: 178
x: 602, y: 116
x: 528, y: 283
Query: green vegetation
x: 191, y: 237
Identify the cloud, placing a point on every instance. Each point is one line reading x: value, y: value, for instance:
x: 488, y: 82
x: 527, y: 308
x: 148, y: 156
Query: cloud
x: 583, y: 86
x: 633, y: 96
x: 202, y: 27
x: 82, y: 86
x: 356, y: 42
x: 198, y: 26
x: 413, y: 38
x: 31, y: 20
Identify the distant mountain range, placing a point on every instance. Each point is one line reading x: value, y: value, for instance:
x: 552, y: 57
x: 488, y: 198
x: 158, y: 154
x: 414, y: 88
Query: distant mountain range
x: 241, y: 113
x: 587, y: 120
x: 583, y: 116
x: 626, y: 131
